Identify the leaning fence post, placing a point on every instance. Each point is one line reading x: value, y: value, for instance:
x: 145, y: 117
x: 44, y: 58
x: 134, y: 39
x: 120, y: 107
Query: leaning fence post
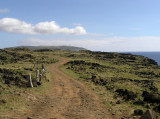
x: 42, y: 66
x: 30, y: 80
x: 37, y: 76
x: 43, y: 70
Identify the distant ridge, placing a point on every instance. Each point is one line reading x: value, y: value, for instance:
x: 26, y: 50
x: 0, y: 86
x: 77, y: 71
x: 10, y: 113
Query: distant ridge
x: 72, y: 48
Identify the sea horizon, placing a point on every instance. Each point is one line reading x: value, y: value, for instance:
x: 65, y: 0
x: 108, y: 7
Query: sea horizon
x: 155, y: 55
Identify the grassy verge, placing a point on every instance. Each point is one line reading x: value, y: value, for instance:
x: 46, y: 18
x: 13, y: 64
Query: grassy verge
x: 115, y: 105
x: 16, y: 100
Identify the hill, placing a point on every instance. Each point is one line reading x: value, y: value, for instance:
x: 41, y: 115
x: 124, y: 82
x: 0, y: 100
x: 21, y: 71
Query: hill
x: 71, y: 48
x: 120, y: 80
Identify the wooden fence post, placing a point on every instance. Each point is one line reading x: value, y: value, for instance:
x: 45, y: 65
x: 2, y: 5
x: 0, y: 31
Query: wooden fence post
x: 30, y: 80
x: 43, y: 70
x: 37, y: 76
x: 42, y: 66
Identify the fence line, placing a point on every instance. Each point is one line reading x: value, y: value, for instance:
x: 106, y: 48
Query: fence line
x: 39, y: 77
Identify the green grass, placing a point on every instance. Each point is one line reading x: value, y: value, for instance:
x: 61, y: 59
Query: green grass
x: 69, y: 72
x: 112, y: 74
x: 16, y: 96
x: 104, y: 73
x: 106, y: 96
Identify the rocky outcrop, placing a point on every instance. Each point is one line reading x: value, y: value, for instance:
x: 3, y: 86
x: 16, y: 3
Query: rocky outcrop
x: 149, y: 114
x: 150, y: 97
x: 138, y: 112
x: 128, y: 95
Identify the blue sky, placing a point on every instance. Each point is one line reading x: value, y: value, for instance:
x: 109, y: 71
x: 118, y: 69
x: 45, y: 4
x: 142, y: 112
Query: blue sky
x: 104, y: 25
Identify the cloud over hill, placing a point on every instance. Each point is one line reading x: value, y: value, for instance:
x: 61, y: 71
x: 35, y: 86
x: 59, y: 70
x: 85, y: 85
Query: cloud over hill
x: 17, y: 26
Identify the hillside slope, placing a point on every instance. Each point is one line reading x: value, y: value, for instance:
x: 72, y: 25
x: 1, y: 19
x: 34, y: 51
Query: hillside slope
x: 123, y: 82
x: 132, y: 81
x: 63, y: 98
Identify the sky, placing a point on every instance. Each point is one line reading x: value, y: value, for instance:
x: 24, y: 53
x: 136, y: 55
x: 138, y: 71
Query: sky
x: 98, y: 25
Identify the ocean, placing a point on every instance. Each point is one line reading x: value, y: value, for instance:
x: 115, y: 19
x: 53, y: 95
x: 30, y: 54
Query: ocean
x: 152, y: 55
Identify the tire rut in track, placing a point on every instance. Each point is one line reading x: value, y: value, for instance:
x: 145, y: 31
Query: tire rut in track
x: 68, y: 98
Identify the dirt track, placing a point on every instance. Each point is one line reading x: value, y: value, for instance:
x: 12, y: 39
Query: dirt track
x: 68, y: 98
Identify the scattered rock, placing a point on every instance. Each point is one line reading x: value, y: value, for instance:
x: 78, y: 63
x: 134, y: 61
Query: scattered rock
x: 149, y: 114
x: 118, y: 102
x: 29, y: 117
x: 138, y: 112
x: 152, y: 98
x: 157, y: 108
x: 123, y: 118
x: 148, y: 106
x: 113, y: 114
x: 31, y: 97
x: 135, y: 117
x: 38, y: 83
x: 128, y: 95
x: 93, y: 76
x: 3, y: 101
x: 139, y: 102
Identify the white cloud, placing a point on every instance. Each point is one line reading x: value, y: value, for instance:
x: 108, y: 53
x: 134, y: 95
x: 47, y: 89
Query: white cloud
x: 112, y: 44
x: 4, y: 10
x: 17, y: 26
x: 86, y: 43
